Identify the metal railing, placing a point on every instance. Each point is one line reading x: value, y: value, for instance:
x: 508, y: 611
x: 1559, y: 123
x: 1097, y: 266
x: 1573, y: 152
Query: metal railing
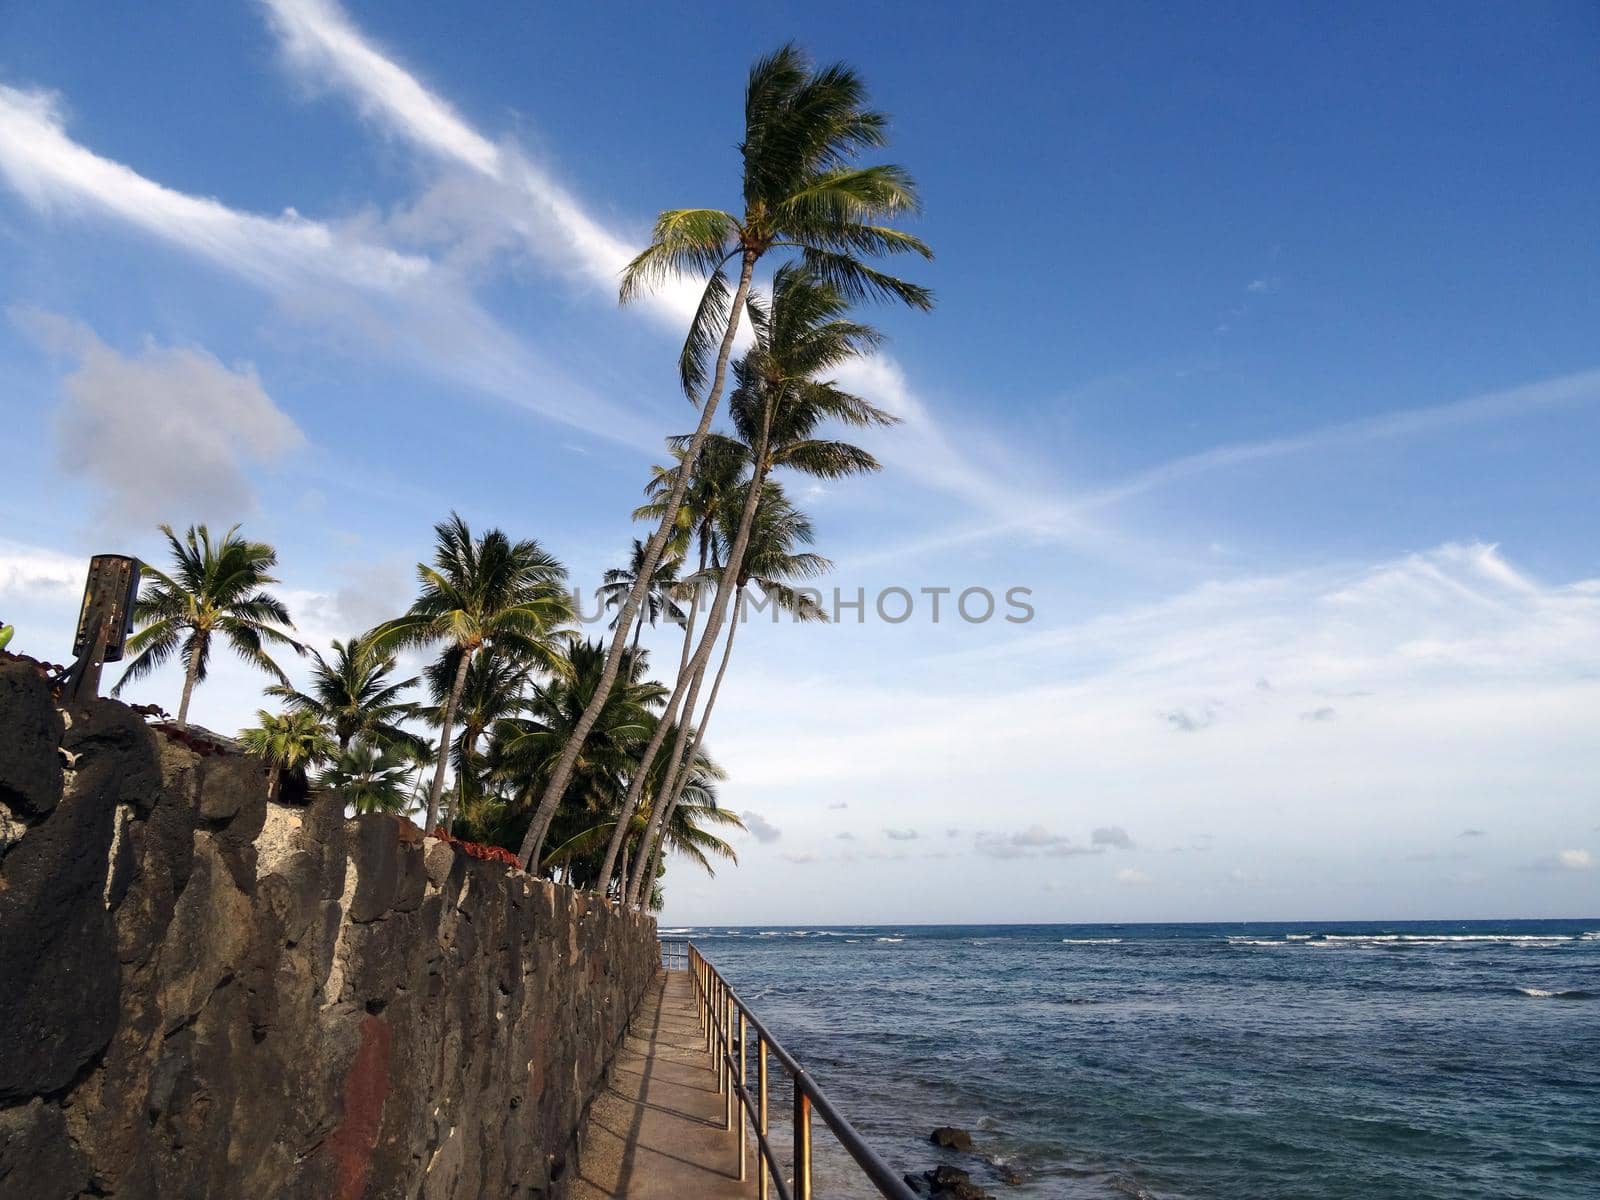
x: 728, y: 1024
x: 674, y: 954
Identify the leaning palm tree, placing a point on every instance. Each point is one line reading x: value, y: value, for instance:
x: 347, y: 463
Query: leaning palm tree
x: 215, y: 588
x: 802, y: 193
x: 770, y: 561
x: 482, y: 593
x: 369, y: 777
x: 354, y: 694
x: 686, y: 830
x: 715, y: 483
x: 781, y: 398
x: 660, y: 597
x: 288, y: 742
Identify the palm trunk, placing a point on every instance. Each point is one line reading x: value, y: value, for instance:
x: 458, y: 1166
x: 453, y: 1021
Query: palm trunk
x: 686, y: 768
x: 556, y: 788
x: 702, y: 655
x: 191, y: 676
x: 637, y: 630
x: 606, y: 884
x: 658, y: 735
x: 437, y: 790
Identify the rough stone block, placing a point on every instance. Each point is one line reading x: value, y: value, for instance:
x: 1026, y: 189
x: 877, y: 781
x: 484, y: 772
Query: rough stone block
x: 30, y: 764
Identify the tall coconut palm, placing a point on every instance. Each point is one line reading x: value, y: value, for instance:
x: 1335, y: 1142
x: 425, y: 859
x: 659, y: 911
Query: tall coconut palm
x: 688, y: 830
x: 290, y: 743
x: 778, y: 405
x: 528, y: 746
x: 716, y: 479
x: 802, y: 192
x: 661, y: 595
x: 214, y: 588
x: 493, y: 691
x: 770, y: 561
x: 369, y: 777
x: 353, y: 694
x: 482, y: 593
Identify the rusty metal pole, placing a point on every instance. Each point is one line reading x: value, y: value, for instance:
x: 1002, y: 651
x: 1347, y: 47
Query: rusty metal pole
x: 727, y: 1116
x: 802, y: 1143
x: 743, y: 1127
x: 761, y: 1120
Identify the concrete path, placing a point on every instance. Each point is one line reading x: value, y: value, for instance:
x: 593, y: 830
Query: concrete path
x: 657, y: 1130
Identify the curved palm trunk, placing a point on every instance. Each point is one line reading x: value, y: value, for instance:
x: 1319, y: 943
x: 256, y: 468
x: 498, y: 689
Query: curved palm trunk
x: 191, y: 676
x: 619, y: 835
x: 556, y: 788
x: 686, y: 768
x: 702, y: 654
x: 437, y: 790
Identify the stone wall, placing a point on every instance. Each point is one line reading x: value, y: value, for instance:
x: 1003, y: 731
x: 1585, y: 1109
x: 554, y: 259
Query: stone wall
x: 206, y: 994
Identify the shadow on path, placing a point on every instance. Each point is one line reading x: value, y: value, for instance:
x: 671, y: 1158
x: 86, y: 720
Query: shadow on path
x: 656, y: 1131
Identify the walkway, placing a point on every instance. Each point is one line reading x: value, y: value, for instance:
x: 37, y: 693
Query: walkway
x: 656, y: 1131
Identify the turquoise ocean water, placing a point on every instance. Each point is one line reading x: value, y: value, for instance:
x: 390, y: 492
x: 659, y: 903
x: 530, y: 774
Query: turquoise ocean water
x: 1319, y: 1060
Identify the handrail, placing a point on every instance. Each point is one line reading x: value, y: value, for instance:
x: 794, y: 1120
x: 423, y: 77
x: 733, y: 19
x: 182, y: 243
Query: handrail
x: 728, y: 1021
x: 674, y: 953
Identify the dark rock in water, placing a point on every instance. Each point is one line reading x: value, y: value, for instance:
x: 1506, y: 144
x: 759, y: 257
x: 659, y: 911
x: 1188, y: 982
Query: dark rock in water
x: 951, y: 1138
x: 1008, y: 1174
x: 946, y: 1183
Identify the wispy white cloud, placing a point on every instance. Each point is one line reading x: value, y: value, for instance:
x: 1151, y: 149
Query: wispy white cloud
x: 163, y: 433
x: 763, y: 829
x: 521, y: 201
x: 1574, y: 860
x: 1466, y: 678
x: 1077, y: 518
x: 402, y: 304
x: 1565, y: 391
x: 52, y: 172
x: 323, y: 45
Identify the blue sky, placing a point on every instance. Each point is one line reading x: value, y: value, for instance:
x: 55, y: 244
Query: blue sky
x: 1265, y: 356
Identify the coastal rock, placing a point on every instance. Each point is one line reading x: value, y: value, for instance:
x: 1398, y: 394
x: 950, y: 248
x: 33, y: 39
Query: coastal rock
x: 30, y: 764
x: 946, y: 1183
x: 951, y: 1138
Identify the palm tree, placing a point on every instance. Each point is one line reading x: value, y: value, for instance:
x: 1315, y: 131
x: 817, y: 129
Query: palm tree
x: 369, y: 777
x: 493, y: 692
x: 802, y: 193
x: 421, y: 755
x: 527, y: 747
x: 769, y: 560
x: 214, y: 588
x: 290, y: 743
x: 488, y: 592
x: 661, y: 593
x: 686, y: 833
x: 716, y: 478
x: 353, y: 694
x: 777, y: 406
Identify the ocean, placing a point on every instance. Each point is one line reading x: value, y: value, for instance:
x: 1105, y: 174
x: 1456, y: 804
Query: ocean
x: 1322, y: 1061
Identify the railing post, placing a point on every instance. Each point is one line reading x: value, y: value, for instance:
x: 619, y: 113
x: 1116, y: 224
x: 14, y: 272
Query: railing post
x: 727, y: 1067
x: 802, y: 1143
x: 761, y: 1120
x: 743, y: 1056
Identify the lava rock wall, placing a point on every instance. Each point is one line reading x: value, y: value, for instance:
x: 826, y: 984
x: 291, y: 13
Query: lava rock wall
x: 208, y: 994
